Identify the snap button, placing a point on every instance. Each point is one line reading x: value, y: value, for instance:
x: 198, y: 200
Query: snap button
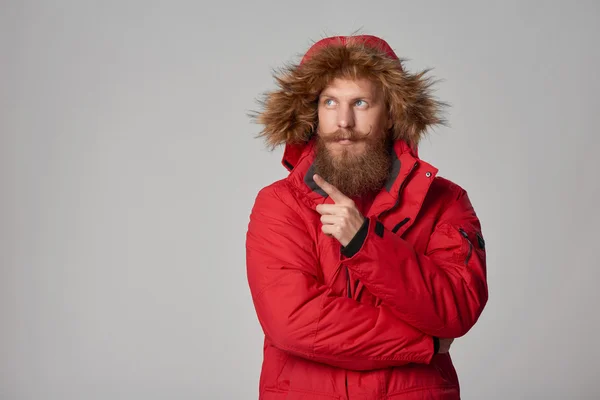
x: 428, y: 174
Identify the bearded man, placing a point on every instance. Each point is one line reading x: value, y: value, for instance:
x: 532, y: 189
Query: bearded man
x: 363, y: 264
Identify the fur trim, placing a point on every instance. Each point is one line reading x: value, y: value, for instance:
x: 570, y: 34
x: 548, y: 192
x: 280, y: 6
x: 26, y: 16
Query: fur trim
x: 289, y: 113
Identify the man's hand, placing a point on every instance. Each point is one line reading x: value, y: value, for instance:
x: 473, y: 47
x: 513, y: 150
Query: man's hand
x: 445, y: 345
x: 341, y: 220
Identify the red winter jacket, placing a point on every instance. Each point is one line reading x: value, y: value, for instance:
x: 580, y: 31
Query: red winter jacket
x: 361, y: 323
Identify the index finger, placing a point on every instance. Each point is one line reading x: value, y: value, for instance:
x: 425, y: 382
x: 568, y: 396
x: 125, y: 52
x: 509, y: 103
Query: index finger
x: 336, y: 195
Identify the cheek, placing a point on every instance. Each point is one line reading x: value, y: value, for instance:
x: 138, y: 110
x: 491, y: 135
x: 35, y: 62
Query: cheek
x: 326, y: 120
x: 371, y: 123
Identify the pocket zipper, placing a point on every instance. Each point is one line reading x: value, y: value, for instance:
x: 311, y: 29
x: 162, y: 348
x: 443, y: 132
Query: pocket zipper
x: 466, y: 236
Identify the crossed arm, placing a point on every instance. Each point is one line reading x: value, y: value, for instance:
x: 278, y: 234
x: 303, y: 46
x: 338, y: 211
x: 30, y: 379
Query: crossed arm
x: 440, y: 293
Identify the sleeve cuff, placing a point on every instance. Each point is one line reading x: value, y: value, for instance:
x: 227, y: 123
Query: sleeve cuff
x: 357, y: 241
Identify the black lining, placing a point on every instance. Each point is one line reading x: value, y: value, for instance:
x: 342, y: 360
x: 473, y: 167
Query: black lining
x: 379, y: 229
x: 395, y: 170
x: 288, y: 164
x: 349, y: 293
x: 357, y: 241
x: 436, y: 345
x: 400, y: 224
x: 399, y: 191
x: 310, y: 182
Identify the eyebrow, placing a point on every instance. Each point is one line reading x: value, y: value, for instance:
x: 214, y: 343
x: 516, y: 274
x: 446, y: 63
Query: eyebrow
x: 353, y: 99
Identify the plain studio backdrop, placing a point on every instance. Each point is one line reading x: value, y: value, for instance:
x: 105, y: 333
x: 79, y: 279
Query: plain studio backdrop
x: 128, y: 168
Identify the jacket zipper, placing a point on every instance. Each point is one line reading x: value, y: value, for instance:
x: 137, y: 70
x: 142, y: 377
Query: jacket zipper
x: 466, y: 236
x: 349, y: 296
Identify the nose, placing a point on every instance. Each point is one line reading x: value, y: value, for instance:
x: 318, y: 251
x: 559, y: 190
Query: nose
x: 345, y: 117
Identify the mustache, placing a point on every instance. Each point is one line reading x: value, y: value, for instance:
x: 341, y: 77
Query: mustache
x: 344, y: 134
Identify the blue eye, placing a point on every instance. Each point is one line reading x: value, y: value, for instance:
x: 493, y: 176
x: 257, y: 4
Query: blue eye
x: 328, y: 102
x: 360, y: 101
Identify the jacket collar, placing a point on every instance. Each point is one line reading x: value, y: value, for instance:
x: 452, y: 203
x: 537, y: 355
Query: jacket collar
x: 299, y: 160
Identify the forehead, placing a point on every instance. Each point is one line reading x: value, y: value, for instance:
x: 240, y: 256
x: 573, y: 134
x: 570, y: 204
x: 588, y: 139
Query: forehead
x: 342, y: 87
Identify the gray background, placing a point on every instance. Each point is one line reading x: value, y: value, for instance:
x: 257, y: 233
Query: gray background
x: 128, y: 169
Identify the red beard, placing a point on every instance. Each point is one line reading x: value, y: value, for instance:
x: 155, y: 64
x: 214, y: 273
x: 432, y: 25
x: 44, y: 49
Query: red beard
x: 354, y: 175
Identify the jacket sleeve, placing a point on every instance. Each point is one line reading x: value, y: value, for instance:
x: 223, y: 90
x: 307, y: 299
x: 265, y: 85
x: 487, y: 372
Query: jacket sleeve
x: 301, y: 315
x: 441, y: 292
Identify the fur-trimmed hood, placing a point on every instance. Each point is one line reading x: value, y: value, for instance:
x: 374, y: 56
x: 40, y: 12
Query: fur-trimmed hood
x: 289, y: 113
